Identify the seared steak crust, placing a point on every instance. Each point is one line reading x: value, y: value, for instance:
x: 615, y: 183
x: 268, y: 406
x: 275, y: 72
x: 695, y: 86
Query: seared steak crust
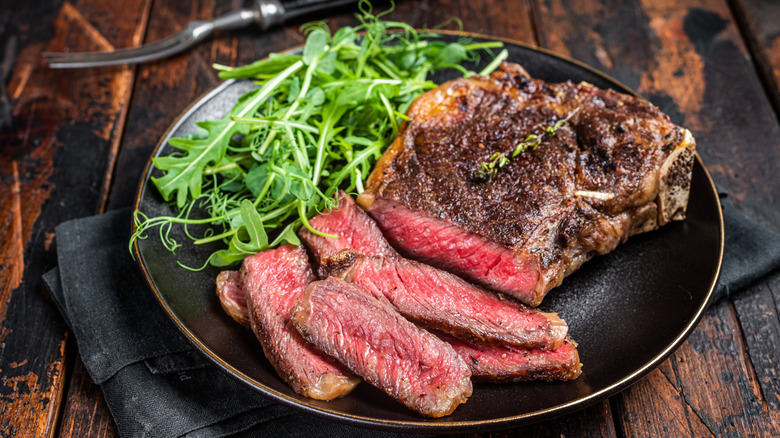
x: 617, y: 168
x: 373, y: 340
x: 272, y: 281
x: 231, y: 296
x: 504, y: 363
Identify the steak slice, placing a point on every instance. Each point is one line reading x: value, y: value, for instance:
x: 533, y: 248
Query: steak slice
x: 490, y: 363
x: 374, y: 341
x: 231, y: 296
x: 617, y: 168
x: 353, y: 226
x: 426, y: 295
x: 272, y: 281
x: 439, y: 300
x: 504, y: 363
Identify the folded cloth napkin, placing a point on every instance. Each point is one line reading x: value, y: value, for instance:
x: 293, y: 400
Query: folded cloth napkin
x: 153, y: 381
x: 157, y: 385
x: 750, y: 251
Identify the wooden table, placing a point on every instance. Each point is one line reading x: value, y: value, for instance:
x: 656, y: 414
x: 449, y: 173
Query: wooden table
x: 80, y: 138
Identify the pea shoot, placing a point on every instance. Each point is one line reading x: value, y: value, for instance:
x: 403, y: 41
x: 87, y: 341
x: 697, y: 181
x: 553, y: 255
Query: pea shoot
x: 318, y: 122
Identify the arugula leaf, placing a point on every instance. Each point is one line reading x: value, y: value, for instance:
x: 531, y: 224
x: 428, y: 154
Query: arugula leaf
x: 317, y: 123
x: 183, y: 173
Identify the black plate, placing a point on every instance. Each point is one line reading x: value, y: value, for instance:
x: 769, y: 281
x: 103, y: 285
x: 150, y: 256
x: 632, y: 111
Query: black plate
x: 628, y: 310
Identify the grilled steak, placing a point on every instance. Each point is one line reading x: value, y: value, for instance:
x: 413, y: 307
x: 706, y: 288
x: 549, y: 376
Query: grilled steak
x: 426, y: 295
x: 231, y: 296
x: 374, y: 341
x: 617, y: 168
x: 272, y: 281
x: 504, y: 363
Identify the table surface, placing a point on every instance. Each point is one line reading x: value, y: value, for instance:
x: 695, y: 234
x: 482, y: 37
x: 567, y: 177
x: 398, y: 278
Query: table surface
x: 79, y: 140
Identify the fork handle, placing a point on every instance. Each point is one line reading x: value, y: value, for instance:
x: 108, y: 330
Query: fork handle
x: 265, y: 13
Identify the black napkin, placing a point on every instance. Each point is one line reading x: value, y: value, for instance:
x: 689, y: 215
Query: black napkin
x: 750, y: 251
x: 154, y: 382
x: 157, y: 385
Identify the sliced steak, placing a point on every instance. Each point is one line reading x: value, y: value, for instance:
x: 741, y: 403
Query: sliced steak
x: 231, y: 296
x: 617, y: 168
x: 439, y: 300
x: 426, y: 295
x: 374, y: 341
x: 488, y: 363
x: 353, y: 226
x: 504, y: 363
x: 272, y: 281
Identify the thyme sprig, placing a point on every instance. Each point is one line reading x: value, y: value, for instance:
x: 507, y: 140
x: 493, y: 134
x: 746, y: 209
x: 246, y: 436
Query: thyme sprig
x: 487, y: 169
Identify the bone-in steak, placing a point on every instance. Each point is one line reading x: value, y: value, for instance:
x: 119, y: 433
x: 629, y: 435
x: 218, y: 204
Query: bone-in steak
x: 617, y: 168
x: 373, y: 340
x: 272, y: 281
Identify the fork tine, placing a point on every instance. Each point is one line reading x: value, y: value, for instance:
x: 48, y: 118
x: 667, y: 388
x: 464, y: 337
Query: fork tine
x: 194, y: 32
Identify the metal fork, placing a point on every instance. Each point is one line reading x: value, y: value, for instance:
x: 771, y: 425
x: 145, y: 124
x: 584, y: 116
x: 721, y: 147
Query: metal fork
x: 265, y: 13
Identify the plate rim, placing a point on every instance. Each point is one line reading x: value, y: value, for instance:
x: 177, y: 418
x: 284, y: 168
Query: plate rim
x: 426, y: 425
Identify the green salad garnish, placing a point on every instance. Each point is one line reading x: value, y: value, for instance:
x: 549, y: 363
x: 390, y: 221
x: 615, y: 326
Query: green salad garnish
x: 318, y: 122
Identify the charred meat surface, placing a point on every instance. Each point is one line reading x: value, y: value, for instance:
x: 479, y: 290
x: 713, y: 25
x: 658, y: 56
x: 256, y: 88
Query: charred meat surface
x: 272, y: 281
x: 374, y: 341
x: 354, y: 228
x: 231, y: 296
x: 618, y: 167
x: 426, y: 295
x: 504, y: 363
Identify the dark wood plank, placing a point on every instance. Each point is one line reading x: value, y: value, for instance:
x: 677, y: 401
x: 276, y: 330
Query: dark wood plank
x: 760, y: 24
x: 655, y: 393
x: 759, y: 315
x: 59, y: 119
x: 84, y: 411
x: 758, y: 309
x: 690, y: 61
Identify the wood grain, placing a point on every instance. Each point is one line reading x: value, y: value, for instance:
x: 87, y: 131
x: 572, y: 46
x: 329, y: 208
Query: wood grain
x: 690, y: 58
x: 761, y: 31
x: 691, y: 62
x: 59, y: 118
x: 84, y: 411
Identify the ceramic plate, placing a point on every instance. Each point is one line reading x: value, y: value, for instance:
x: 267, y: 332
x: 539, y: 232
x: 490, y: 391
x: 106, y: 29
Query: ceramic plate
x: 628, y: 310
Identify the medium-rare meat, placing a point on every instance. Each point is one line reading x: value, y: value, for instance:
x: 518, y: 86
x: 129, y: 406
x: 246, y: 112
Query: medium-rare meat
x: 616, y: 168
x: 355, y: 230
x: 231, y: 296
x: 439, y: 300
x: 374, y: 341
x: 500, y: 363
x: 426, y: 295
x: 504, y: 363
x: 272, y: 281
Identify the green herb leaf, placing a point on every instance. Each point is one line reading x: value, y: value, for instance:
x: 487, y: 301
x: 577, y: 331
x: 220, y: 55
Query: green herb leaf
x: 318, y: 123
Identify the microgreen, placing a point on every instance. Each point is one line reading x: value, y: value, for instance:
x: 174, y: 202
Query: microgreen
x: 318, y: 122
